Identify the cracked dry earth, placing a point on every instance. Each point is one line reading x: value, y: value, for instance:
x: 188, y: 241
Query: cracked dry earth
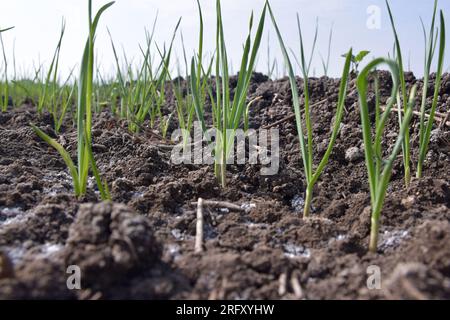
x: 141, y: 246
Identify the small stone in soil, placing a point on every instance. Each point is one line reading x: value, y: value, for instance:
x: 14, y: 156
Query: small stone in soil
x: 392, y: 239
x: 353, y: 154
x: 9, y: 213
x: 297, y: 203
x: 408, y: 202
x: 177, y: 234
x: 174, y: 251
x: 248, y: 206
x: 293, y: 251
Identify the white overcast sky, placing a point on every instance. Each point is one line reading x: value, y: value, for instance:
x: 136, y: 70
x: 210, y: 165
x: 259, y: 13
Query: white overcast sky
x: 37, y: 25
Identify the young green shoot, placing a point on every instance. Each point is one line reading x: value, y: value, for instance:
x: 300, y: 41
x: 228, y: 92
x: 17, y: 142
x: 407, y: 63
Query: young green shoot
x: 402, y: 99
x: 51, y: 80
x: 326, y: 61
x: 357, y: 59
x: 379, y: 170
x: 187, y: 109
x: 85, y: 157
x: 426, y: 126
x: 5, y: 93
x: 271, y: 64
x: 65, y: 96
x: 227, y: 112
x: 306, y: 145
x: 184, y: 105
x: 144, y: 95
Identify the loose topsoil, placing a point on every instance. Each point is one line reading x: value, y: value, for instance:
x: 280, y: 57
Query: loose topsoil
x: 141, y: 245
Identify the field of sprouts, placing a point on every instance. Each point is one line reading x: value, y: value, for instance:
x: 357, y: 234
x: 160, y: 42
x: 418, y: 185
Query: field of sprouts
x: 359, y: 207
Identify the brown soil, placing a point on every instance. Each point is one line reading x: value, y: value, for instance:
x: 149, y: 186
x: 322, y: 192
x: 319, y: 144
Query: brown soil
x: 142, y: 245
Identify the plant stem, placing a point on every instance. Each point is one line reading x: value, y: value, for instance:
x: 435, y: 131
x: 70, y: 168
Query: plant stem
x: 223, y: 173
x: 419, y: 170
x: 308, y: 198
x: 374, y: 228
x: 407, y: 169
